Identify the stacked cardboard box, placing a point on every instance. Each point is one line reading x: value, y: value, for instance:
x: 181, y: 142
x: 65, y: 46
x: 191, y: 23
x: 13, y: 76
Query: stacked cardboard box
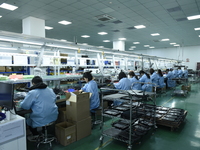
x: 184, y: 87
x: 78, y: 111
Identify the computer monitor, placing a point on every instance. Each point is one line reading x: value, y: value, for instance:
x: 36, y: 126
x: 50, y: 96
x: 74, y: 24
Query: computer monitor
x: 6, y: 95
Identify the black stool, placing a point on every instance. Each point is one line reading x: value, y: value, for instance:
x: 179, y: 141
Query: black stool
x: 94, y: 115
x: 46, y: 138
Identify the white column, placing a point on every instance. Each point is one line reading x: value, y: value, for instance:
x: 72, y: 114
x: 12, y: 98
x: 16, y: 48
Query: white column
x: 119, y: 45
x: 33, y: 26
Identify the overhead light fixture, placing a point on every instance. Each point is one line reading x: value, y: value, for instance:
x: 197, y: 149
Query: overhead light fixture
x: 121, y: 38
x: 133, y: 46
x: 8, y: 6
x: 100, y: 46
x: 0, y: 16
x: 102, y: 33
x: 176, y: 45
x: 140, y: 26
x: 164, y: 40
x: 172, y: 43
x: 9, y: 48
x: 59, y: 46
x: 146, y: 45
x: 155, y: 34
x: 63, y: 40
x: 64, y: 22
x: 151, y: 47
x: 84, y: 43
x: 199, y: 35
x: 193, y: 17
x: 19, y: 41
x: 131, y: 49
x: 85, y: 36
x: 48, y: 28
x: 197, y: 28
x: 106, y: 40
x: 136, y: 42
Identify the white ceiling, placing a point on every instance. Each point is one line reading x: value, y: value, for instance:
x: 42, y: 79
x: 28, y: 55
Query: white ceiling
x: 167, y: 17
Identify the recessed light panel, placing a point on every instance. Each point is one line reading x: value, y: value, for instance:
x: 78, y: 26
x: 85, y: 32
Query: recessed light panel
x: 140, y: 26
x: 121, y: 38
x: 164, y: 40
x: 48, y: 28
x: 106, y: 40
x: 151, y: 47
x: 172, y: 43
x: 85, y: 36
x: 64, y: 22
x: 146, y: 45
x: 102, y: 33
x: 8, y: 6
x: 0, y: 16
x: 197, y: 28
x: 136, y: 42
x: 133, y: 46
x: 176, y: 45
x: 131, y: 49
x: 193, y: 17
x: 155, y: 34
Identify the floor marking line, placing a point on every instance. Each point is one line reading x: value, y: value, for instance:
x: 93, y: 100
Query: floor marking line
x: 103, y: 144
x: 168, y: 101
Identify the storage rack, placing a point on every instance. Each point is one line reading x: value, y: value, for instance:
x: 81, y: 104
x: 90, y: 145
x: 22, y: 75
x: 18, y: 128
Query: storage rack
x: 129, y: 98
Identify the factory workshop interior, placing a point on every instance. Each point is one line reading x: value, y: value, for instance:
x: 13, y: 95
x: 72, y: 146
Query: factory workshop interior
x: 99, y: 74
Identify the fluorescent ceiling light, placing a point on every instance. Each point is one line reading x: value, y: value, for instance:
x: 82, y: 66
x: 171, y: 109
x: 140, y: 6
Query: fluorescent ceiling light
x: 8, y: 6
x: 133, y: 46
x: 146, y: 45
x: 102, y: 33
x: 140, y: 26
x: 199, y: 35
x: 106, y: 40
x: 155, y: 34
x: 18, y: 41
x: 63, y: 40
x: 152, y: 47
x: 8, y: 48
x: 84, y: 43
x: 64, y: 22
x: 0, y: 16
x: 100, y: 46
x: 193, y: 17
x: 164, y: 40
x: 131, y: 49
x: 85, y: 36
x: 121, y: 38
x: 176, y: 45
x: 136, y: 42
x: 48, y: 28
x: 58, y: 46
x: 172, y: 43
x: 197, y: 28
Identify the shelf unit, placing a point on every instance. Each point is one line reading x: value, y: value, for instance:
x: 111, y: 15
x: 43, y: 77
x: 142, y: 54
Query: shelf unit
x: 128, y: 133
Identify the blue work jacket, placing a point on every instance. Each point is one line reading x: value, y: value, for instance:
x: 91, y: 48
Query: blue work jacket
x: 180, y: 73
x: 143, y: 78
x: 134, y: 85
x: 161, y: 82
x: 92, y: 87
x: 42, y: 104
x: 170, y: 82
x: 185, y: 74
x: 147, y: 87
x: 155, y: 78
x: 123, y: 84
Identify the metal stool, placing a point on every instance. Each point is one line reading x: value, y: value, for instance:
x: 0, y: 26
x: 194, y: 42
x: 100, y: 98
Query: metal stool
x: 46, y: 138
x: 94, y: 114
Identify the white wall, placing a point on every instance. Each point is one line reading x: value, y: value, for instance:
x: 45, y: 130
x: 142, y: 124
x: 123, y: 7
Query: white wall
x: 180, y: 53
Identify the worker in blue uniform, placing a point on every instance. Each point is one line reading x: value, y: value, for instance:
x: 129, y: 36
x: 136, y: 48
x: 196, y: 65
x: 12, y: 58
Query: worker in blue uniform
x: 134, y: 81
x: 170, y: 76
x: 175, y: 72
x: 41, y: 100
x: 161, y: 82
x: 180, y: 72
x: 147, y: 83
x: 124, y: 83
x: 91, y: 87
x: 185, y: 73
x: 154, y: 77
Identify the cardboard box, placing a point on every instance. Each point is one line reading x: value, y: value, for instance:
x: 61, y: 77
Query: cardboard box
x: 188, y: 88
x: 78, y: 106
x: 65, y: 133
x: 2, y: 69
x: 62, y: 115
x: 83, y: 128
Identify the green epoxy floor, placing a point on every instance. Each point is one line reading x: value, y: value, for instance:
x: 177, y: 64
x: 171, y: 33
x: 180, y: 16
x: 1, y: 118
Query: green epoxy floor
x: 187, y: 137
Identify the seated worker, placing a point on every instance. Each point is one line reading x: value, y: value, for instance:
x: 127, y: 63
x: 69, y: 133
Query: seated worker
x: 41, y: 100
x: 185, y: 73
x: 91, y: 87
x: 134, y: 79
x: 180, y: 72
x: 170, y: 76
x: 124, y: 83
x: 145, y: 78
x: 161, y: 82
x: 154, y: 77
x: 175, y: 72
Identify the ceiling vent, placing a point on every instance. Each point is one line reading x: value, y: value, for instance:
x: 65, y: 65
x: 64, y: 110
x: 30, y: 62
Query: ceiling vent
x: 104, y: 18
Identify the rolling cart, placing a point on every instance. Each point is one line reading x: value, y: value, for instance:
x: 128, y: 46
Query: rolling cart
x: 182, y: 92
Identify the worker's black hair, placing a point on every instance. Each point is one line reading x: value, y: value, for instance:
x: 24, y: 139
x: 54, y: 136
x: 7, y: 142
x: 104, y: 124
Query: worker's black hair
x: 151, y: 71
x: 37, y: 80
x: 160, y: 73
x: 122, y: 75
x: 132, y: 74
x: 88, y: 75
x: 141, y: 72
